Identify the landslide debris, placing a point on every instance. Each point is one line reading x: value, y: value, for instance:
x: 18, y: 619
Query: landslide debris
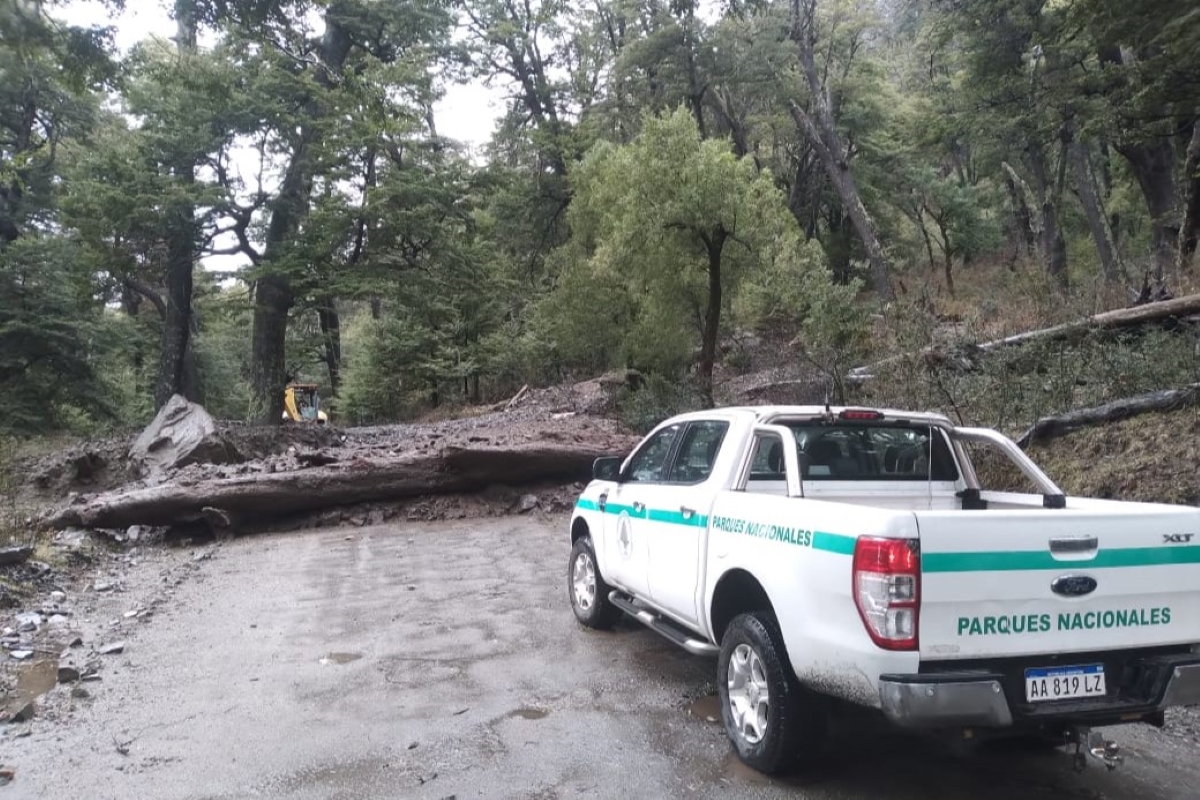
x: 186, y: 469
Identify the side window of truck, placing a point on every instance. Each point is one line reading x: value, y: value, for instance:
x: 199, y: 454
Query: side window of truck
x: 767, y: 470
x: 698, y: 451
x: 649, y: 464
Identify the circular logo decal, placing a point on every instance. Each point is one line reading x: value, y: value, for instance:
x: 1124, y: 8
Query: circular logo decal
x: 625, y: 535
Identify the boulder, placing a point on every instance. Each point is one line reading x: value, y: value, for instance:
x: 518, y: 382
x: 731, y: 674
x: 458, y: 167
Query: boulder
x: 181, y: 433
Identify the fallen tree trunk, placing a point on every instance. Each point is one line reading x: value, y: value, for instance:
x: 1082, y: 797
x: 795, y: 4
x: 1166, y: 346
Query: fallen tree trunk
x: 1062, y: 424
x: 263, y: 496
x: 1108, y: 320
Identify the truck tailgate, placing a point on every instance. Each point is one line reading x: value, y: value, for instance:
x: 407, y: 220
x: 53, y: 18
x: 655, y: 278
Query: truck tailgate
x: 1096, y: 576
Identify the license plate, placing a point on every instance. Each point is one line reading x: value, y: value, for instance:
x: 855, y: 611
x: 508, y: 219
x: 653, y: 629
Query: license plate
x: 1064, y: 683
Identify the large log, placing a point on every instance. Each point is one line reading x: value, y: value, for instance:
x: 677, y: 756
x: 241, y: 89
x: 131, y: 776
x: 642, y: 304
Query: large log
x: 262, y: 496
x: 1108, y: 320
x: 1062, y: 424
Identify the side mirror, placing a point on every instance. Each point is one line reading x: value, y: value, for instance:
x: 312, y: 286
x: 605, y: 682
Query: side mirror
x: 607, y: 469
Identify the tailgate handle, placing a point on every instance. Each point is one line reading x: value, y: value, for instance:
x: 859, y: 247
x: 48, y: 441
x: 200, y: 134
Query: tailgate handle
x: 1074, y: 544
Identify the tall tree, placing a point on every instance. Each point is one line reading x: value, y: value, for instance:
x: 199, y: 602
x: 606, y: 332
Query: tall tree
x: 679, y: 219
x: 177, y: 363
x: 818, y: 125
x: 302, y: 86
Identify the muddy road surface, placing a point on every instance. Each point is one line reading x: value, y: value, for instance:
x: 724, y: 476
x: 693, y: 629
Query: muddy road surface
x: 437, y: 660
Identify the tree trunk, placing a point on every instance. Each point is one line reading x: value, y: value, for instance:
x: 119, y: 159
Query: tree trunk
x: 1018, y: 193
x: 1154, y: 167
x: 273, y: 300
x: 919, y: 216
x: 175, y: 358
x: 696, y: 88
x: 266, y: 496
x: 132, y: 284
x: 177, y: 325
x: 715, y: 244
x: 1062, y: 424
x: 331, y: 335
x: 819, y: 128
x: 839, y: 246
x: 947, y: 251
x: 948, y: 270
x: 1089, y: 198
x: 1120, y: 319
x: 273, y: 292
x: 1189, y: 231
x: 1051, y: 246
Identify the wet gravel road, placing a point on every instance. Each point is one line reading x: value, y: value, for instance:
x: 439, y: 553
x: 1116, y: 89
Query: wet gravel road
x: 441, y: 660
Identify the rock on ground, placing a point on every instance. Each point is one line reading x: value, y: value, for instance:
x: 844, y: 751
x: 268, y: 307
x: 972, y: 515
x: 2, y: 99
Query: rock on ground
x: 181, y: 433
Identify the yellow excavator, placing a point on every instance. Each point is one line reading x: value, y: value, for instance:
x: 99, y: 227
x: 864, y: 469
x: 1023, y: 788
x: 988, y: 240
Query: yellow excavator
x: 301, y: 403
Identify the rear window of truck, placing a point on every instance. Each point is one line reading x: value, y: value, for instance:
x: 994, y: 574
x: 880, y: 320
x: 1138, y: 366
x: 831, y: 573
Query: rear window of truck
x: 874, y: 452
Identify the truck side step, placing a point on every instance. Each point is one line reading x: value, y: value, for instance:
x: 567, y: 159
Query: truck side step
x: 664, y: 627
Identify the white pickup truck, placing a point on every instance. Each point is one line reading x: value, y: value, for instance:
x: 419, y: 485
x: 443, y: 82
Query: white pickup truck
x: 852, y: 554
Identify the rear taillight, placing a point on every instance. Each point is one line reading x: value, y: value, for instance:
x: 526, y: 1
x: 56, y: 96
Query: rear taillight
x: 887, y: 590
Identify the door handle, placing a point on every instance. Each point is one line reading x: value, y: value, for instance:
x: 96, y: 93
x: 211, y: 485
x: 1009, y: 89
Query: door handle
x: 602, y: 500
x: 688, y: 513
x: 639, y: 506
x: 1073, y: 544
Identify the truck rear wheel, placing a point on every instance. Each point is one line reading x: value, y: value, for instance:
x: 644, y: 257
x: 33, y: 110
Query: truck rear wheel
x: 773, y: 722
x: 587, y: 590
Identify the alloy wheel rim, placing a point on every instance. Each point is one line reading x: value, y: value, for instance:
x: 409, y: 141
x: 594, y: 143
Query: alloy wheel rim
x: 749, y: 695
x: 583, y: 581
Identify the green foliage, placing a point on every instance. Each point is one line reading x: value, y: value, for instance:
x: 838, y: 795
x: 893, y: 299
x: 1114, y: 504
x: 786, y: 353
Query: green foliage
x: 51, y: 341
x: 647, y: 151
x: 223, y: 351
x: 373, y: 391
x: 647, y: 219
x: 659, y: 398
x: 50, y: 78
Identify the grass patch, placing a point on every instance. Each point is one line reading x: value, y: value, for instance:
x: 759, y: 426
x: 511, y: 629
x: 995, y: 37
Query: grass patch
x: 1152, y: 458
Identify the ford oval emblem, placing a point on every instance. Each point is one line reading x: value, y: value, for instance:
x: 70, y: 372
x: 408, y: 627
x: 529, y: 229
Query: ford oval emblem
x: 1073, y: 585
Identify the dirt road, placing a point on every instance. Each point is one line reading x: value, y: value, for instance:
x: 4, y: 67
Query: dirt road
x: 441, y: 660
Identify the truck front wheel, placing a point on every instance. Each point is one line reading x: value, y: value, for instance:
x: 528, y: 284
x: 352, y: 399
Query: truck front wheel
x: 773, y: 722
x: 587, y: 590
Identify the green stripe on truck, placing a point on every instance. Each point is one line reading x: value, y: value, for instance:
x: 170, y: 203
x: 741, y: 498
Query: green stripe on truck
x: 955, y: 562
x: 829, y: 542
x: 833, y: 543
x: 1041, y: 559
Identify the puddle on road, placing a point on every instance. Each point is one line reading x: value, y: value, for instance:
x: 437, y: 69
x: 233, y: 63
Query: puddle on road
x: 340, y: 658
x: 33, y: 680
x: 706, y: 708
x: 528, y: 713
x: 37, y: 678
x: 734, y: 767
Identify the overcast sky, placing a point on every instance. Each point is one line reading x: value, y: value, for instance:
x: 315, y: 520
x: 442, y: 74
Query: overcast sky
x: 467, y: 113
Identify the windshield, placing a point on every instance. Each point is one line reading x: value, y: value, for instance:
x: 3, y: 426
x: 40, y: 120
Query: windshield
x: 868, y: 452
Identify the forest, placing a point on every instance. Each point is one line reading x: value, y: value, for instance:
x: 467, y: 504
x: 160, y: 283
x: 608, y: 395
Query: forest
x: 264, y: 196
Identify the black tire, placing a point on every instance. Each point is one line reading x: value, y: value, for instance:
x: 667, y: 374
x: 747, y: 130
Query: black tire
x: 592, y: 610
x: 791, y: 733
